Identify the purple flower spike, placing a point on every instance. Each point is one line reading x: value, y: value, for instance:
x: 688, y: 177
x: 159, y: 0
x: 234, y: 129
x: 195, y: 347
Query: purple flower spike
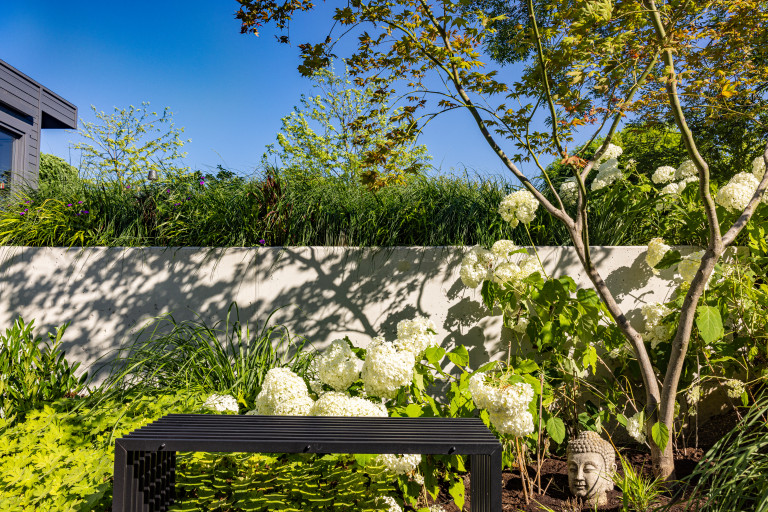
x: 127, y: 186
x: 262, y: 241
x: 21, y: 213
x: 169, y: 191
x: 85, y: 211
x: 70, y: 204
x: 79, y: 202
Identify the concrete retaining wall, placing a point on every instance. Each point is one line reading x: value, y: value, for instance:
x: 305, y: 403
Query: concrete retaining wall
x: 110, y: 293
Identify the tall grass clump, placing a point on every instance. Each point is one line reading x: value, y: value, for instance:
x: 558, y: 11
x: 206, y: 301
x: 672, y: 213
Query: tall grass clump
x: 227, y: 357
x: 733, y: 475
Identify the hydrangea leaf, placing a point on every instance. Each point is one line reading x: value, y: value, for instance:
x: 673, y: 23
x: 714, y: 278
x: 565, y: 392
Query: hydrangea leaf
x: 660, y: 435
x: 672, y: 257
x: 709, y: 323
x: 456, y: 490
x: 459, y: 356
x: 556, y: 429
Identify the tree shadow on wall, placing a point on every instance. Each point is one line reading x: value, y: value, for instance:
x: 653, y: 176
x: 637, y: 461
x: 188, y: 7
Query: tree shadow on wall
x: 109, y: 294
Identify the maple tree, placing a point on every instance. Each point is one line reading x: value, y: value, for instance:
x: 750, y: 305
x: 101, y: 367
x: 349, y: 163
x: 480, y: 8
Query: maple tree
x: 587, y: 66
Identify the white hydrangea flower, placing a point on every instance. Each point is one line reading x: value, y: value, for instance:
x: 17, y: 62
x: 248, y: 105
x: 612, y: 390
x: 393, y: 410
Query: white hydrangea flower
x: 758, y: 167
x: 663, y: 174
x: 636, y: 429
x: 517, y: 207
x: 222, y: 403
x: 736, y: 194
x: 436, y: 508
x: 670, y: 190
x: 418, y: 478
x: 530, y: 265
x: 686, y: 170
x: 519, y: 424
x: 390, y: 504
x: 507, y: 405
x: 611, y: 152
x: 476, y: 266
x: 507, y: 272
x: 569, y: 191
x: 656, y: 251
x: 607, y: 174
x: 690, y: 265
x: 386, y: 369
x: 501, y: 249
x: 480, y: 391
x: 400, y: 464
x: 735, y: 388
x: 655, y: 331
x: 416, y: 336
x: 335, y: 403
x: 283, y: 394
x: 521, y: 325
x: 338, y: 366
x: 693, y: 396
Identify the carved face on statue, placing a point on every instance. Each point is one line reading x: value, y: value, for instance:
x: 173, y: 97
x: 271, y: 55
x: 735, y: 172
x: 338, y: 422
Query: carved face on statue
x: 591, y: 465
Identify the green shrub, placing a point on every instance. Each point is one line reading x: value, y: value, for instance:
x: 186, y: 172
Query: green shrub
x: 34, y: 372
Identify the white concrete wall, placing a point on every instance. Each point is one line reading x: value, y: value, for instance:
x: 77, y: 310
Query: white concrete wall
x: 110, y: 293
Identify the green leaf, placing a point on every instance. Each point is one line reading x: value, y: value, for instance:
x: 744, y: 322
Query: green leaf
x: 590, y: 358
x: 456, y: 490
x: 660, y: 435
x: 556, y: 429
x: 709, y: 323
x: 672, y: 257
x: 459, y: 356
x: 435, y: 354
x: 414, y: 411
x: 526, y: 366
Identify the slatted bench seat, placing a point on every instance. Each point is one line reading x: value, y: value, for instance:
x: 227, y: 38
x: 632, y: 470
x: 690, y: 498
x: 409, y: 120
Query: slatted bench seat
x: 145, y: 460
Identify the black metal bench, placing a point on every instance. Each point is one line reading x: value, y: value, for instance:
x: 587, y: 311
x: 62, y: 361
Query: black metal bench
x: 145, y: 460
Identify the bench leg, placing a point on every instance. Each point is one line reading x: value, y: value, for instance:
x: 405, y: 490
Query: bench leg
x: 485, y: 482
x: 144, y: 481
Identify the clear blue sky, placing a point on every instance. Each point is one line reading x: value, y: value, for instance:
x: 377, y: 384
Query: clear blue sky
x: 227, y: 90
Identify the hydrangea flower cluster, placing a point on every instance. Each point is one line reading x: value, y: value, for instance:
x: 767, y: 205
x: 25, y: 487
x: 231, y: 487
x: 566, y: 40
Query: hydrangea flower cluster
x: 635, y: 428
x: 221, y: 403
x: 655, y: 331
x: 416, y: 336
x: 735, y: 388
x: 507, y: 405
x: 517, y: 207
x: 736, y: 194
x: 498, y: 265
x: 687, y: 169
x: 335, y: 403
x: 693, y: 396
x: 611, y: 152
x: 686, y: 173
x: 400, y: 464
x: 663, y: 174
x: 338, y: 366
x: 607, y: 174
x: 656, y: 251
x: 690, y: 265
x: 758, y: 167
x: 386, y: 369
x: 283, y: 394
x: 476, y: 266
x: 569, y: 191
x: 390, y: 504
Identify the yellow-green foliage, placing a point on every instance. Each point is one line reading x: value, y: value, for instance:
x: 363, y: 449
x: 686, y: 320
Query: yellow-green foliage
x: 60, y: 460
x: 293, y: 483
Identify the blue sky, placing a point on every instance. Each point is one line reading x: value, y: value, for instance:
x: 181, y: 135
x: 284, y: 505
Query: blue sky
x: 229, y: 91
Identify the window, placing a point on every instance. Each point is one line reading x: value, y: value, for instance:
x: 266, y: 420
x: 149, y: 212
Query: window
x: 6, y: 158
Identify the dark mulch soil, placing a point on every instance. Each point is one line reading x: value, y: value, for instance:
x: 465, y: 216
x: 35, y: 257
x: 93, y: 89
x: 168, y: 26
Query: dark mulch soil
x: 554, y: 477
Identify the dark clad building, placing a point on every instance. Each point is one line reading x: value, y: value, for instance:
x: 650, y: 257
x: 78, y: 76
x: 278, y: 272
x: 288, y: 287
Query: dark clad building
x: 26, y: 107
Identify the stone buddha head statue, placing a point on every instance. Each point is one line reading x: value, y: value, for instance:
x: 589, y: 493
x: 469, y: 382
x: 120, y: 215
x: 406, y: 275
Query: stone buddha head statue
x: 591, y: 466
